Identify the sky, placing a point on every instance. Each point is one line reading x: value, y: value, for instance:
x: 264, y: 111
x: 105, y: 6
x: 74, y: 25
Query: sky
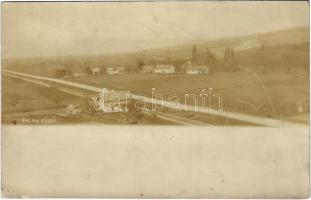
x: 41, y: 29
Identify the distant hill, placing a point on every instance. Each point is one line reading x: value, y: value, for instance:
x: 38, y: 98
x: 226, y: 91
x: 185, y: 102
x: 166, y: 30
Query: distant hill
x: 281, y: 37
x: 282, y: 47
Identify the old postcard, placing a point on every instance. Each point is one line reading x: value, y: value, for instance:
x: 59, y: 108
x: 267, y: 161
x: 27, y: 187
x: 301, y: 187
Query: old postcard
x: 199, y: 99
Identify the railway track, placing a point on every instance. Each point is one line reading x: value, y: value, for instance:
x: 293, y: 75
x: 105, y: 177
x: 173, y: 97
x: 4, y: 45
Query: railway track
x: 167, y: 104
x: 165, y: 116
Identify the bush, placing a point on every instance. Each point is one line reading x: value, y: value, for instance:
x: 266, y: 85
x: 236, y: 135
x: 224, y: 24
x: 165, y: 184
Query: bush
x: 60, y: 73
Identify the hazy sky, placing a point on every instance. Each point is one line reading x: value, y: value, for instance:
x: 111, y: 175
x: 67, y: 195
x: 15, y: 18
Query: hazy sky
x: 54, y: 28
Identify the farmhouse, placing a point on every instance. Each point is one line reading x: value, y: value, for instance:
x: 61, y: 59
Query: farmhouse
x: 147, y: 69
x: 196, y: 69
x: 95, y: 71
x: 114, y: 70
x: 193, y: 70
x: 200, y: 69
x: 164, y: 69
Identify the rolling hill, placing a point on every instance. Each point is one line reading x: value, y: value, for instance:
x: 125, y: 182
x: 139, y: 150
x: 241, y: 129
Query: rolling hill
x: 281, y: 37
x: 281, y: 46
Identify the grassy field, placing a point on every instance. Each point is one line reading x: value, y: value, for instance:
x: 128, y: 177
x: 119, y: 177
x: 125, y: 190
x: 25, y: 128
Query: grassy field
x: 270, y: 95
x: 21, y: 97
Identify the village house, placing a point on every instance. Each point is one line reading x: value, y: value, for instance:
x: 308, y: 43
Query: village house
x: 147, y: 69
x: 164, y: 69
x: 114, y: 70
x: 95, y: 71
x: 193, y: 70
x: 196, y: 69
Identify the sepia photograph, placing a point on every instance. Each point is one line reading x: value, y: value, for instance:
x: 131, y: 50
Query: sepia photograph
x: 168, y: 99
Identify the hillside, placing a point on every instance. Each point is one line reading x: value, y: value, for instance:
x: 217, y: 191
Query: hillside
x: 281, y: 37
x: 284, y: 46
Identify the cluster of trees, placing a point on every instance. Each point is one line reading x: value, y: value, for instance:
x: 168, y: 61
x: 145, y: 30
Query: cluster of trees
x: 229, y: 53
x: 203, y: 58
x: 88, y: 70
x: 230, y: 63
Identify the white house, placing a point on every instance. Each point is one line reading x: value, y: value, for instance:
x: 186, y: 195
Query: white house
x: 164, y: 69
x: 196, y: 69
x: 95, y: 71
x: 193, y: 70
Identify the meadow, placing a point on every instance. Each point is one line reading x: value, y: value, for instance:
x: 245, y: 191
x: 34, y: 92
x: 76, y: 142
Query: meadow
x: 269, y: 95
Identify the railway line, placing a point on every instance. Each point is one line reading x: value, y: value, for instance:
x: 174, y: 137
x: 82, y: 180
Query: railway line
x: 40, y: 80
